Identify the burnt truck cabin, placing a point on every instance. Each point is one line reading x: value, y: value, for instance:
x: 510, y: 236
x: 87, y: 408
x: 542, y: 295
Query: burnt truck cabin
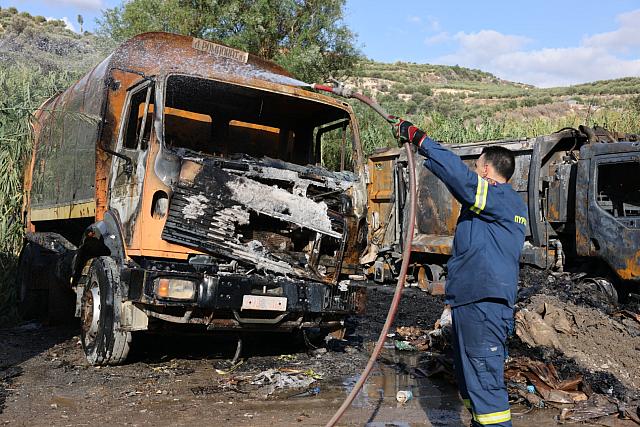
x: 185, y: 182
x: 579, y: 186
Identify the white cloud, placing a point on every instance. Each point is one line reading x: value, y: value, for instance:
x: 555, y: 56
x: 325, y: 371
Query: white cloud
x: 597, y: 57
x: 414, y: 19
x: 489, y: 42
x: 566, y: 66
x: 624, y: 39
x: 82, y: 4
x: 439, y: 38
x: 67, y: 22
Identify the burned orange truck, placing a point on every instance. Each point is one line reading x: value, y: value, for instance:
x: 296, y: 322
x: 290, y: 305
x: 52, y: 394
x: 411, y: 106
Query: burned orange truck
x: 183, y: 182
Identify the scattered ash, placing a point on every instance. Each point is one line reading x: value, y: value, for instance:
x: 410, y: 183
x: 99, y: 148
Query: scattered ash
x: 601, y: 348
x: 417, y: 308
x: 567, y: 287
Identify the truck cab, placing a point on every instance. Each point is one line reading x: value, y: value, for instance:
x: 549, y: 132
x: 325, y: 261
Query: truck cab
x: 183, y: 182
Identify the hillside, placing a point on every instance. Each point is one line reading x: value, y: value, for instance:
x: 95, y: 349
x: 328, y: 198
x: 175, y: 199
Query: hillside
x: 47, y: 46
x: 451, y: 90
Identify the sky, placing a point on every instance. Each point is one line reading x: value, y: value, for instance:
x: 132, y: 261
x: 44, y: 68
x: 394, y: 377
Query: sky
x: 543, y: 42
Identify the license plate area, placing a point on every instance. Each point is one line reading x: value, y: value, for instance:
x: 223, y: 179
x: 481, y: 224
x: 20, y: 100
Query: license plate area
x: 260, y: 302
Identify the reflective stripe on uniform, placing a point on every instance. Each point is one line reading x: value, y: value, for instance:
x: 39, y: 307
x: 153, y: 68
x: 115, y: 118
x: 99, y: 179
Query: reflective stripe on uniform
x: 493, y: 417
x: 466, y: 403
x: 481, y: 196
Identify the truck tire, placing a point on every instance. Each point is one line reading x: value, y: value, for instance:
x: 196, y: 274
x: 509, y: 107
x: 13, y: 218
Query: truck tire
x: 31, y: 300
x: 103, y: 341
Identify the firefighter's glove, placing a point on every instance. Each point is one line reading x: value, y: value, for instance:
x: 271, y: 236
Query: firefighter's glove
x: 405, y: 131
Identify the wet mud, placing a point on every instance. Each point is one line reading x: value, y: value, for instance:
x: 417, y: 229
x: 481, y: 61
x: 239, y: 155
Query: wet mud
x: 189, y: 380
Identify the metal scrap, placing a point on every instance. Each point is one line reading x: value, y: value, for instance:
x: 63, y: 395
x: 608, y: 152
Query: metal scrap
x: 600, y: 410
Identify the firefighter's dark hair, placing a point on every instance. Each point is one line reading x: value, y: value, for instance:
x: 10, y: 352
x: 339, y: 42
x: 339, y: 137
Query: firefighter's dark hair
x: 502, y: 160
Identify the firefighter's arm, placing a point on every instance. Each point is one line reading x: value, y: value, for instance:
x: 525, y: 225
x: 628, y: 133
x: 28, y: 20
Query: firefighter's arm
x: 464, y: 184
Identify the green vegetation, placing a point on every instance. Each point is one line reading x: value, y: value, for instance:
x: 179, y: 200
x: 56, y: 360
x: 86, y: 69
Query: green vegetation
x: 40, y: 59
x: 455, y: 104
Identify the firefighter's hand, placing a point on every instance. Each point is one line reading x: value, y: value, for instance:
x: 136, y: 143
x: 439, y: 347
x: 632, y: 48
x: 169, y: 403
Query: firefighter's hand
x: 405, y: 131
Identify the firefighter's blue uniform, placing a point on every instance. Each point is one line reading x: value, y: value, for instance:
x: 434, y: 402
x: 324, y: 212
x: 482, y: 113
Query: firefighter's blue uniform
x: 482, y: 281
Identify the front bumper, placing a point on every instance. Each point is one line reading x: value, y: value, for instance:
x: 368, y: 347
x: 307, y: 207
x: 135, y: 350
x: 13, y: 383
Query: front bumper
x: 220, y: 297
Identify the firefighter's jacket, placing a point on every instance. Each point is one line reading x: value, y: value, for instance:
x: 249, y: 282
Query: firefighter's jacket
x: 489, y: 235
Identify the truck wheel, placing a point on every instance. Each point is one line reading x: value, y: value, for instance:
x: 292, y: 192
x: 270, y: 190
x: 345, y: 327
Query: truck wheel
x: 103, y: 341
x: 31, y: 301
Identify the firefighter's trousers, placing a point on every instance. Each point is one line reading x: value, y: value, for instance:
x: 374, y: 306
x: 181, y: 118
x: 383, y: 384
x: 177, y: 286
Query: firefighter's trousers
x: 480, y: 330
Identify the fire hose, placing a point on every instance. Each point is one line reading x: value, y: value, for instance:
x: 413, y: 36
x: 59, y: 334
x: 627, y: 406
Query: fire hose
x: 408, y: 238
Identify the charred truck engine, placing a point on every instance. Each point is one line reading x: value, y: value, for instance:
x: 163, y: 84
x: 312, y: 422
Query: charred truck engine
x: 184, y: 182
x: 581, y: 188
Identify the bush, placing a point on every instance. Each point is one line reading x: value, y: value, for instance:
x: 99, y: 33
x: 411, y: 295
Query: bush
x: 424, y: 89
x: 417, y: 97
x: 18, y: 24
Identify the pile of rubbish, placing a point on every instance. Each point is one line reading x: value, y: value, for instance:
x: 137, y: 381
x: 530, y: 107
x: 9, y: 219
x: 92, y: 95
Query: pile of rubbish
x: 413, y: 338
x: 541, y: 326
x: 282, y: 379
x: 281, y: 382
x: 539, y: 385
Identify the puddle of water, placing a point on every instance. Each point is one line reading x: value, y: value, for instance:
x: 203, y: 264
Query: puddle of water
x: 394, y: 373
x: 435, y: 400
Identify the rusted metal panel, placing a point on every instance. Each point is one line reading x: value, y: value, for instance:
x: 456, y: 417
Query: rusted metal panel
x: 433, y: 244
x: 381, y: 196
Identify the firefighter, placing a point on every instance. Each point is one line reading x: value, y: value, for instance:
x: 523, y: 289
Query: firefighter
x: 482, y: 271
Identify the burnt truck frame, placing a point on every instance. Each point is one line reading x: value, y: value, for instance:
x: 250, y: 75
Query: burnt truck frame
x: 581, y: 188
x: 212, y: 211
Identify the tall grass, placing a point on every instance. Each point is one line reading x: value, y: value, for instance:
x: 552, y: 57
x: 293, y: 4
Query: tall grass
x: 455, y: 128
x: 24, y: 89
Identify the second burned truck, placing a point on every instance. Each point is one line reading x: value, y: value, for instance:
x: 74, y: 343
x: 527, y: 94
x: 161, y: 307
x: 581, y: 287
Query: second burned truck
x: 581, y: 188
x: 181, y: 182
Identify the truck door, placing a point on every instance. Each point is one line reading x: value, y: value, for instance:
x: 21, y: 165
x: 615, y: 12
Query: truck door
x: 128, y: 166
x: 614, y: 212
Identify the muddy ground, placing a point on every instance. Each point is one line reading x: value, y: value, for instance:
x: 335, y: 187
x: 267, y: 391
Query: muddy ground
x: 178, y: 380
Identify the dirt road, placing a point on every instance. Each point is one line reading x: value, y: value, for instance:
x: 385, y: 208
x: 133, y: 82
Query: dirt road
x: 171, y: 380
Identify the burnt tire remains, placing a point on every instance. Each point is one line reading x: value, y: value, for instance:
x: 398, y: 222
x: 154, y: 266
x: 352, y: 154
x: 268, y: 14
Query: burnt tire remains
x: 103, y: 341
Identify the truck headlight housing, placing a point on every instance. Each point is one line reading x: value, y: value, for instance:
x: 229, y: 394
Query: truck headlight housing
x: 171, y: 288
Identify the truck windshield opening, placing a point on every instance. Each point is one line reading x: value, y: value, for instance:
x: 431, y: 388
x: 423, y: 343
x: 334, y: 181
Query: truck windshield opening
x: 221, y: 119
